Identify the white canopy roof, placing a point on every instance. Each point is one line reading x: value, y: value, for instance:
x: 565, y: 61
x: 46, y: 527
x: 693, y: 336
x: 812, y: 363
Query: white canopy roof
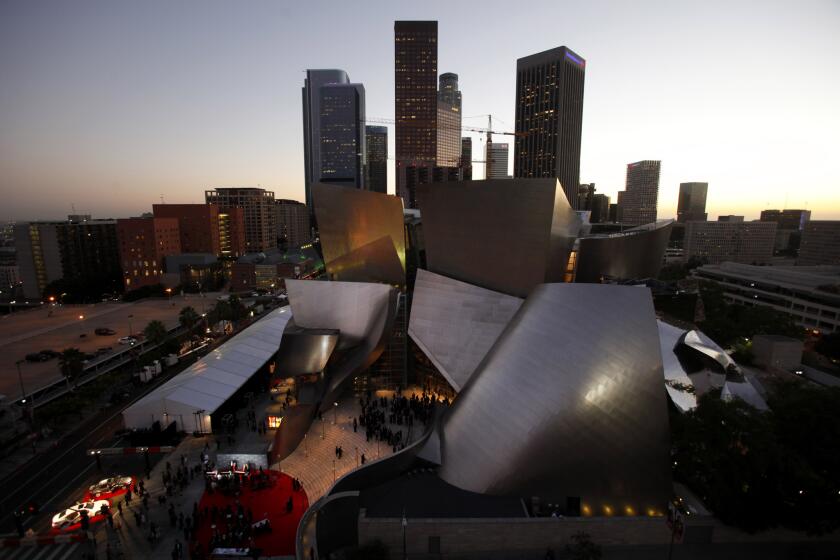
x: 207, y: 384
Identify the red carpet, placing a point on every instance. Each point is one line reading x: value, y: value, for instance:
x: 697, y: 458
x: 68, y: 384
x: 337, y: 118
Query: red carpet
x: 268, y: 502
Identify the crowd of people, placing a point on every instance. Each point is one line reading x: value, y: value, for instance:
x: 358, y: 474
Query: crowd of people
x: 380, y: 414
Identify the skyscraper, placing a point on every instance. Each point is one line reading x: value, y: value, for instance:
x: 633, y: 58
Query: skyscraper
x: 415, y: 97
x: 600, y: 207
x: 293, y: 226
x: 311, y: 94
x: 637, y: 204
x: 466, y: 158
x: 549, y: 116
x: 257, y: 210
x: 377, y: 158
x: 342, y: 135
x: 691, y: 205
x: 497, y: 160
x: 787, y: 219
x: 449, y: 121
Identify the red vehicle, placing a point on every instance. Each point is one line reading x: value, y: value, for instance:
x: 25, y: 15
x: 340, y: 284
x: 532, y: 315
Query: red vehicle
x: 110, y: 487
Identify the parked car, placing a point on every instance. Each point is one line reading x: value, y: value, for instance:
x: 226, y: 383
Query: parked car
x: 50, y: 354
x: 71, y: 518
x: 110, y: 487
x: 102, y: 331
x: 128, y: 340
x: 36, y: 357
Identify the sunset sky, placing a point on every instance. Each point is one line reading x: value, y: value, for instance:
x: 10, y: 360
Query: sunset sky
x: 105, y: 106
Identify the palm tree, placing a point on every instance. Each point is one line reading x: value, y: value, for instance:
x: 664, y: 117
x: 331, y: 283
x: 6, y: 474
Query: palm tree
x: 155, y: 332
x: 188, y: 318
x: 70, y: 362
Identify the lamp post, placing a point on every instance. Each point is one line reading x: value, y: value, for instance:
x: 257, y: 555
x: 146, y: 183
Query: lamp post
x: 333, y: 471
x: 130, y: 330
x: 335, y: 413
x: 20, y: 378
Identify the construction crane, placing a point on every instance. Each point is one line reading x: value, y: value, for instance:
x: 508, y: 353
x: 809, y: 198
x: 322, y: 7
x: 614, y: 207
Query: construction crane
x: 488, y: 131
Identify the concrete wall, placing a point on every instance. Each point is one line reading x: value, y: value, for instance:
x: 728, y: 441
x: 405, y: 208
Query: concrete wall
x: 619, y: 537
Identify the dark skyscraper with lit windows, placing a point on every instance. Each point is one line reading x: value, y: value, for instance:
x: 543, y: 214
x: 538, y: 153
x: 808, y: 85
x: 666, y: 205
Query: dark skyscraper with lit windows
x: 549, y: 117
x: 377, y: 158
x: 415, y: 96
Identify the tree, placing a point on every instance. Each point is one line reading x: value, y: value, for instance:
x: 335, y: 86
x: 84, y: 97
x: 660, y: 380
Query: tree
x: 829, y: 346
x: 155, y: 332
x: 71, y: 363
x: 188, y: 318
x: 237, y: 309
x: 756, y: 470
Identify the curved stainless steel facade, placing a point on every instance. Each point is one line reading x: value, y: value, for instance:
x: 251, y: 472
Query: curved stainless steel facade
x: 633, y: 254
x: 465, y: 228
x: 569, y: 403
x: 455, y: 324
x: 305, y: 351
x: 363, y: 313
x: 362, y: 234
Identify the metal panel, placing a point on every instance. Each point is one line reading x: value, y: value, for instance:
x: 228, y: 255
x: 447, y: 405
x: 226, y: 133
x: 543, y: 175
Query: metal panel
x: 305, y: 351
x: 632, y: 254
x: 362, y: 235
x: 677, y: 382
x: 568, y: 403
x: 506, y: 235
x: 456, y: 324
x: 363, y: 314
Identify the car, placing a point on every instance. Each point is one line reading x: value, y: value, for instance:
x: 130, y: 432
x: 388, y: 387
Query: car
x: 71, y: 518
x: 102, y: 331
x: 128, y: 340
x: 50, y: 354
x: 36, y: 357
x: 110, y: 487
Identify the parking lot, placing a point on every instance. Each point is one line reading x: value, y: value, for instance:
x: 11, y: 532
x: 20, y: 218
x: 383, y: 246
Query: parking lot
x: 59, y: 327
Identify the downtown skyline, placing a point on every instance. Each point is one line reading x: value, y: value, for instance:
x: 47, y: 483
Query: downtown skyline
x: 106, y: 107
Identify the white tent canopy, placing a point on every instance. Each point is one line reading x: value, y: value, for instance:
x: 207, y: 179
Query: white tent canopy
x: 197, y: 392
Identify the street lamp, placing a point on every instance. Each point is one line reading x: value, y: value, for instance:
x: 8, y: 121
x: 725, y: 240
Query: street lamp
x: 130, y: 331
x: 335, y: 413
x: 169, y: 294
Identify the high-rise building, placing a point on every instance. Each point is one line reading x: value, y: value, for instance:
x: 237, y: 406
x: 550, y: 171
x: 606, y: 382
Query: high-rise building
x: 637, y: 204
x: 85, y: 252
x: 200, y: 228
x: 497, y: 160
x: 415, y: 97
x: 232, y: 232
x: 789, y: 233
x: 144, y: 244
x: 549, y: 116
x: 691, y: 205
x: 257, y: 210
x: 730, y: 218
x: 377, y: 158
x: 342, y: 135
x: 787, y: 219
x: 716, y: 242
x: 293, y: 225
x: 311, y: 94
x: 820, y: 243
x: 600, y: 207
x: 414, y: 175
x: 466, y: 158
x: 448, y: 121
x: 585, y: 193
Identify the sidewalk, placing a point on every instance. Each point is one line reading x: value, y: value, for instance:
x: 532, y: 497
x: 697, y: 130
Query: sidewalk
x: 314, y: 462
x: 132, y: 540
